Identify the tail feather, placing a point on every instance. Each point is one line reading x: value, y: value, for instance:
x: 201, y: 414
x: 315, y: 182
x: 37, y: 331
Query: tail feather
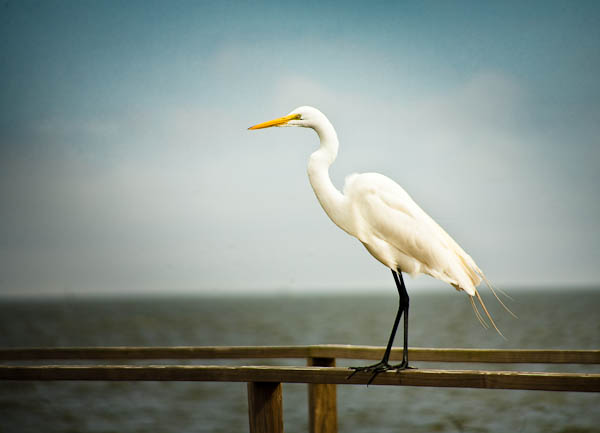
x: 477, y: 313
x: 487, y: 313
x: 467, y: 277
x: 480, y: 275
x: 487, y: 282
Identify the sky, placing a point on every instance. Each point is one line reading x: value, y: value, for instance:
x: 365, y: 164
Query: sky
x: 126, y: 164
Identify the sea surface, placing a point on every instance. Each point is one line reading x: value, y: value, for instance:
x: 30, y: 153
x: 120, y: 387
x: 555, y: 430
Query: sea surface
x: 554, y: 319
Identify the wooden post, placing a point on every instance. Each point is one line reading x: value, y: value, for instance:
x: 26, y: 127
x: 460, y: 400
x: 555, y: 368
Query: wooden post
x: 265, y: 409
x: 322, y: 401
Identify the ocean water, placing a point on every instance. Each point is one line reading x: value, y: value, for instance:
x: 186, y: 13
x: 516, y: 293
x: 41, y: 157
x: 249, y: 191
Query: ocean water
x: 556, y: 319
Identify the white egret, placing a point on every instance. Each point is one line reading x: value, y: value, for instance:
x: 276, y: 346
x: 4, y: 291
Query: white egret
x: 391, y: 226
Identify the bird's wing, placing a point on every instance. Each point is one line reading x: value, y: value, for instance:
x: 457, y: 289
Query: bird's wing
x: 385, y: 212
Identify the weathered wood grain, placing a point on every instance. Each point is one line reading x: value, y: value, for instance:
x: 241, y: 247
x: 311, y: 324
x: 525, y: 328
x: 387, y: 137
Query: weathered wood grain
x: 265, y: 407
x: 322, y: 375
x: 322, y: 401
x: 514, y: 356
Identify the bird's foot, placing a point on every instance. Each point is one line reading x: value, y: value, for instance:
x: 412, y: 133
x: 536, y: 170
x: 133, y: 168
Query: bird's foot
x: 402, y: 366
x: 375, y: 369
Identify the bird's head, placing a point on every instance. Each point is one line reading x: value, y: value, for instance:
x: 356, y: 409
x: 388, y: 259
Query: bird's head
x: 307, y: 117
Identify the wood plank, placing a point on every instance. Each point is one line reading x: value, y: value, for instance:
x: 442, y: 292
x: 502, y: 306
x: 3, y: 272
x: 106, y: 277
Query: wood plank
x: 322, y: 401
x: 265, y: 408
x: 175, y: 352
x: 317, y: 351
x: 514, y: 356
x: 334, y: 375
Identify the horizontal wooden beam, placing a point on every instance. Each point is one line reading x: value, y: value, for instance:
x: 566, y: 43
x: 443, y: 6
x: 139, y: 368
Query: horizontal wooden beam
x: 523, y: 356
x: 333, y: 375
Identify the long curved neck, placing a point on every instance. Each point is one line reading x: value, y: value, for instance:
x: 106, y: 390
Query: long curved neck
x: 331, y: 199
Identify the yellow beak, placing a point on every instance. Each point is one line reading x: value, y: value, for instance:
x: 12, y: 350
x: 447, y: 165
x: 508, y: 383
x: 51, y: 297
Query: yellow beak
x: 276, y: 122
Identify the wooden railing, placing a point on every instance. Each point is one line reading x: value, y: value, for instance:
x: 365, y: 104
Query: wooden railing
x: 321, y: 374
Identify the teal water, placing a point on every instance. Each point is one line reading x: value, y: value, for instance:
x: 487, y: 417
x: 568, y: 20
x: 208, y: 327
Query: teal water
x: 561, y: 319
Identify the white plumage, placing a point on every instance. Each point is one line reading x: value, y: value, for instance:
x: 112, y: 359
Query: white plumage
x: 399, y: 234
x: 381, y: 215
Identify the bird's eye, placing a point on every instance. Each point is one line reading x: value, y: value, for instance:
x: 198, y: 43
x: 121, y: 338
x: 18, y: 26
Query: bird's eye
x: 298, y: 117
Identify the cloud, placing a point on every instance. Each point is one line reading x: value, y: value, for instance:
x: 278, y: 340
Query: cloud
x: 168, y: 188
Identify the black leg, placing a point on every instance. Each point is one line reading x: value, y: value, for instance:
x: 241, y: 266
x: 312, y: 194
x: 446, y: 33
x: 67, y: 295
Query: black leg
x: 384, y: 364
x: 404, y: 302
